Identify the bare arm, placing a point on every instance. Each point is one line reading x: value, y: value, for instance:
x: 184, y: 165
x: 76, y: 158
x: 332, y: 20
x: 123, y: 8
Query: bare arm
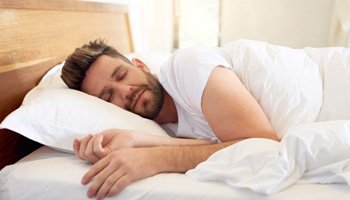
x: 231, y: 111
x: 94, y: 147
x: 144, y: 140
x: 183, y: 158
x: 114, y: 172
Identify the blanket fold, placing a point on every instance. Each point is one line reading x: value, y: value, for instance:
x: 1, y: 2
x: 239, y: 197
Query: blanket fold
x: 320, y: 150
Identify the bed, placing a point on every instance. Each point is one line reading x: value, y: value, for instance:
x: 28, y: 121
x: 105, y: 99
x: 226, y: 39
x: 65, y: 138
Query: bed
x: 28, y: 51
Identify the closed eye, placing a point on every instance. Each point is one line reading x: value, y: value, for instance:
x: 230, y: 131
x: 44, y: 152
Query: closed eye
x: 121, y: 75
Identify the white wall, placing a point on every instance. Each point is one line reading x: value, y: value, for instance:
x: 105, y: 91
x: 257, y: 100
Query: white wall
x: 151, y: 23
x: 340, y: 25
x: 294, y: 23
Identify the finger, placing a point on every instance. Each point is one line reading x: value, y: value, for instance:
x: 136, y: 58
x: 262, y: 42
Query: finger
x: 119, y: 186
x: 98, y: 148
x: 83, y: 142
x: 100, y: 179
x: 89, y: 151
x: 109, y: 182
x: 94, y: 170
x: 76, y: 145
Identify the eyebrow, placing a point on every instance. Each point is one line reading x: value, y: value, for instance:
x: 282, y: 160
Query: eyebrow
x: 115, y: 71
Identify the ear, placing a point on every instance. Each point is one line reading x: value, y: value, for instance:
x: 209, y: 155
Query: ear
x: 141, y: 65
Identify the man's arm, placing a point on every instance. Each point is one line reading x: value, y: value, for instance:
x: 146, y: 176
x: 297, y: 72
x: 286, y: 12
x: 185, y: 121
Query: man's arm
x: 231, y: 111
x: 94, y: 147
x: 183, y: 158
x: 118, y: 169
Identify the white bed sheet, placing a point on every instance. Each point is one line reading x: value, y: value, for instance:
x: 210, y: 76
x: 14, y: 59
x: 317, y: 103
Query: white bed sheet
x: 50, y: 174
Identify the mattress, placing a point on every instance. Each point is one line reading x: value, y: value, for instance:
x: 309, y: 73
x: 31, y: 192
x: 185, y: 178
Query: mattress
x: 50, y: 174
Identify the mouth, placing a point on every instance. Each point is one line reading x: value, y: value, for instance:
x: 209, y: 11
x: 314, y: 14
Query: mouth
x: 137, y: 98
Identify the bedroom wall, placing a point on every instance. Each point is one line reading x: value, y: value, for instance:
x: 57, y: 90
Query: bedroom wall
x: 151, y: 23
x: 340, y: 24
x: 294, y: 23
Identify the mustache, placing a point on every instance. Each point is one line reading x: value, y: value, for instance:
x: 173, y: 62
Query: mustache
x: 131, y: 98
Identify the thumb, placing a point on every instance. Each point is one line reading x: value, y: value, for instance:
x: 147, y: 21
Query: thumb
x: 98, y: 149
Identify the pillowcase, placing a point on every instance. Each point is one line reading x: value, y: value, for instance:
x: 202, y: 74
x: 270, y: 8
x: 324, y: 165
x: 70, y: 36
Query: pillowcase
x: 53, y: 115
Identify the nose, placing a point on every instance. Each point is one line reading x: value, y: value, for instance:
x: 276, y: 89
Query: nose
x: 122, y: 91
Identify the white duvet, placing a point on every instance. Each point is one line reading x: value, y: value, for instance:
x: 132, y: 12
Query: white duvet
x: 305, y: 93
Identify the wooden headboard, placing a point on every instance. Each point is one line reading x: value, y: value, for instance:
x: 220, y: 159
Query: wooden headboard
x: 38, y: 34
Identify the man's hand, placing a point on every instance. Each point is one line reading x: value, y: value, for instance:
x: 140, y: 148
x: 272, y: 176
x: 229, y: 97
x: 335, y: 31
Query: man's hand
x: 94, y: 147
x: 118, y: 169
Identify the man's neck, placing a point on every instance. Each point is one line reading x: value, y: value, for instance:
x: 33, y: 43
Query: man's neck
x: 168, y: 113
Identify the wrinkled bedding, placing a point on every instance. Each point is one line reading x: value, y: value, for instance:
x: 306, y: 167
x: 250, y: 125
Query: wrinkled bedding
x: 305, y: 94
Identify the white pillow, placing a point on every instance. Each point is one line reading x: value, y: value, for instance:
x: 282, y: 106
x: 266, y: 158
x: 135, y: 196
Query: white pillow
x: 54, y: 115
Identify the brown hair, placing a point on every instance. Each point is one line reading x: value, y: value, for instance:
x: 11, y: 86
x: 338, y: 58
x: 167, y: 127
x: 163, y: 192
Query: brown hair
x: 77, y: 64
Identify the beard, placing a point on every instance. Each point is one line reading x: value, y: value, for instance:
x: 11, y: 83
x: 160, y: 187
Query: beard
x: 152, y: 106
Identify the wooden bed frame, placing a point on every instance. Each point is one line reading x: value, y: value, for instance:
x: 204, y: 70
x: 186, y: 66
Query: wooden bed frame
x: 38, y: 34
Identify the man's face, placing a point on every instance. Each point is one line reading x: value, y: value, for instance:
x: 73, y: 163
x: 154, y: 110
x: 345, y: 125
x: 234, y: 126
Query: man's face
x: 130, y: 87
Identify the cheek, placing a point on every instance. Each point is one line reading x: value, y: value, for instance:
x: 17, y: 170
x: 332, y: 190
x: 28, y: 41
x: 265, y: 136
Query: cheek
x: 118, y: 102
x: 144, y: 101
x: 145, y: 96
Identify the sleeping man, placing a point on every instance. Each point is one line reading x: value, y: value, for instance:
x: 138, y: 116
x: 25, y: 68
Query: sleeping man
x: 208, y: 92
